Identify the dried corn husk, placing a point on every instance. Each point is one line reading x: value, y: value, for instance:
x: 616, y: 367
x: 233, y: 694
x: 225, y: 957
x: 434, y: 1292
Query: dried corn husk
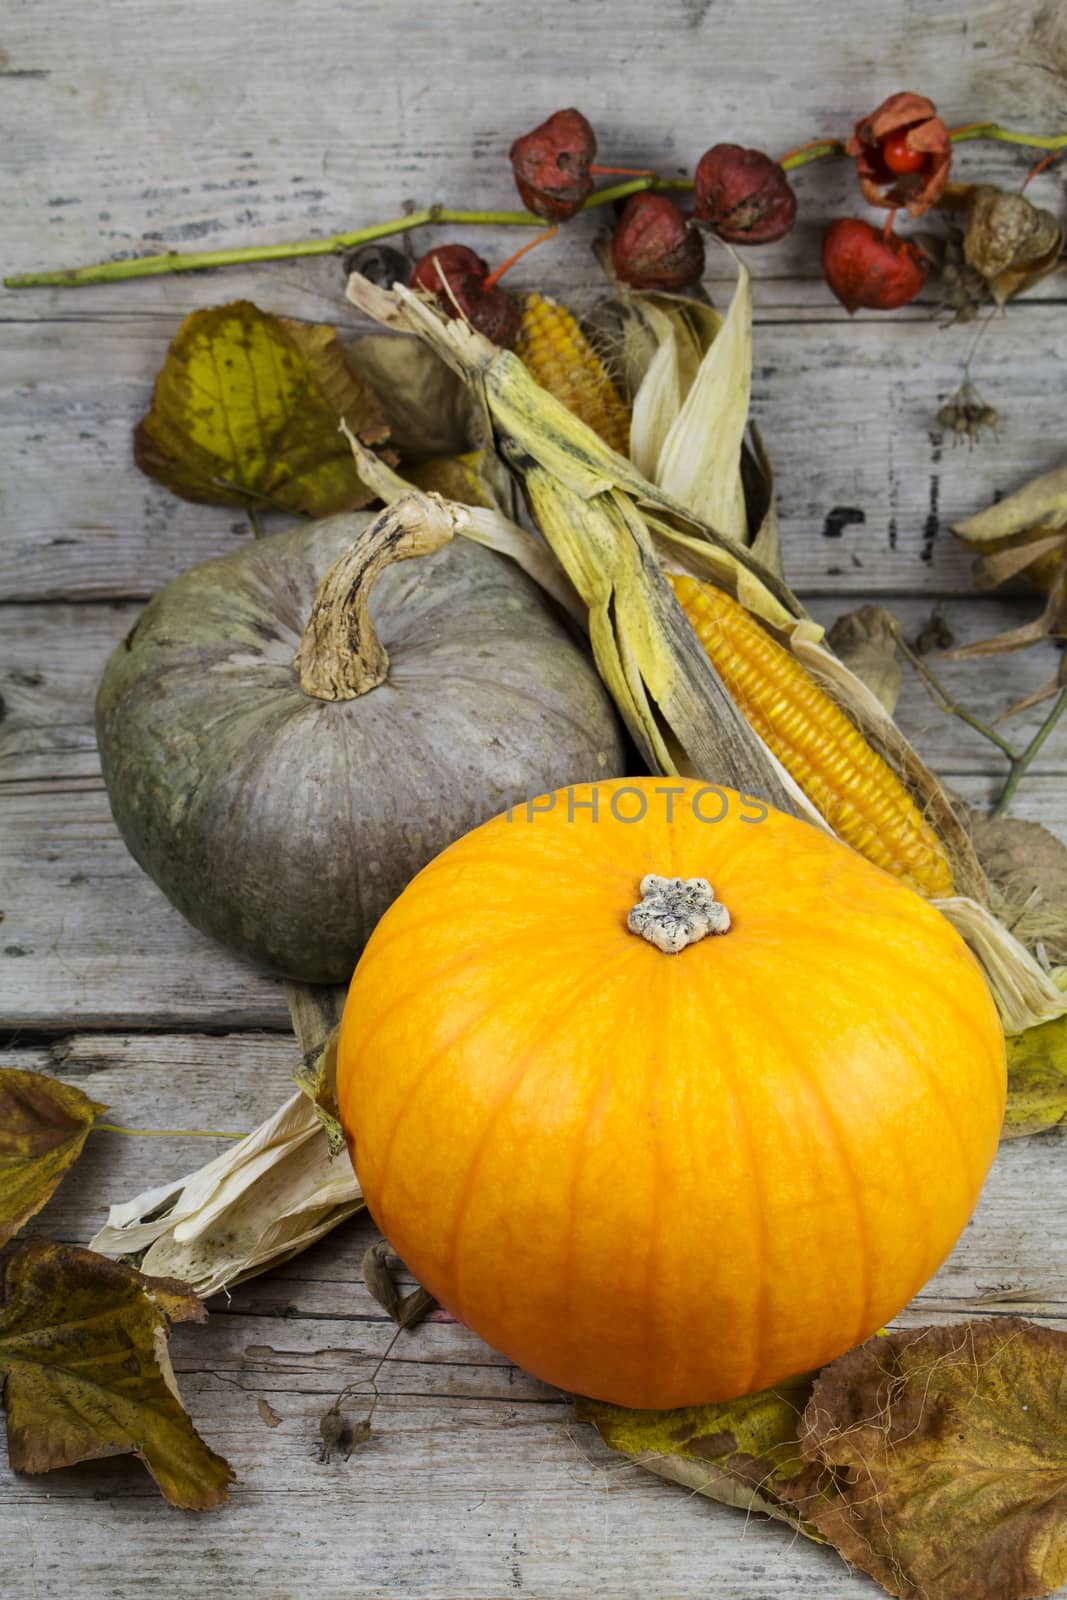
x: 261, y: 1201
x: 610, y: 528
x: 688, y: 372
x: 689, y: 421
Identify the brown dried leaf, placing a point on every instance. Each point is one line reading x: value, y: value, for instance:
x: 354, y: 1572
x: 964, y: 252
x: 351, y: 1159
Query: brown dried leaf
x: 1052, y: 623
x: 1027, y: 869
x: 246, y: 409
x: 866, y: 641
x: 457, y: 478
x: 379, y: 1279
x: 43, y: 1126
x: 938, y: 1460
x: 1040, y: 505
x: 85, y: 1371
x: 429, y: 409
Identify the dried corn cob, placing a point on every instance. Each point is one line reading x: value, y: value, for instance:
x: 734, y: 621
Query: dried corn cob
x: 853, y: 788
x: 563, y: 361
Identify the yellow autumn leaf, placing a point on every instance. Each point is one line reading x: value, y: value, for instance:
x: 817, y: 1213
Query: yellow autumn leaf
x: 1037, y: 1080
x: 43, y: 1126
x: 739, y: 1452
x: 246, y: 411
x: 84, y: 1370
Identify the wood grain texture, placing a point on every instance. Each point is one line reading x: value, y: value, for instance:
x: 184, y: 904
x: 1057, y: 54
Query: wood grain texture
x: 138, y: 126
x: 849, y: 410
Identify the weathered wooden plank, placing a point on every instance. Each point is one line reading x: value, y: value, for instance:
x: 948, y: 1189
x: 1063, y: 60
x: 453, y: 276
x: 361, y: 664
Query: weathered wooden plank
x: 849, y: 412
x: 51, y: 658
x: 378, y: 126
x: 477, y: 1478
x: 88, y: 938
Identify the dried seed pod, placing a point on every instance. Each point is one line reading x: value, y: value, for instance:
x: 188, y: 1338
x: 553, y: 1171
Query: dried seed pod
x: 455, y: 274
x: 1012, y: 243
x: 903, y: 153
x: 498, y: 315
x: 744, y: 195
x: 551, y: 165
x: 655, y: 246
x: 865, y: 268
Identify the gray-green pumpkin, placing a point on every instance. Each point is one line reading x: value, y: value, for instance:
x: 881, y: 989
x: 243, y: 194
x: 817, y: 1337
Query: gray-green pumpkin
x: 285, y: 823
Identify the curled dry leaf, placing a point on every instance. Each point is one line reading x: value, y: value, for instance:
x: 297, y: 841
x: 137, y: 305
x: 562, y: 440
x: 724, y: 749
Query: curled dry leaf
x: 406, y: 1310
x: 245, y: 412
x: 938, y: 1460
x: 1010, y: 241
x: 43, y: 1126
x: 740, y: 1452
x: 1023, y: 535
x: 866, y: 641
x: 1037, y: 1080
x: 85, y: 1372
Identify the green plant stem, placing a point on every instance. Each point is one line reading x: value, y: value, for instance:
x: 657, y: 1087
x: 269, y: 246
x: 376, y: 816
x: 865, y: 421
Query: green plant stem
x: 1021, y: 763
x: 817, y: 150
x: 165, y: 1133
x: 993, y: 130
x: 199, y: 260
x: 944, y: 701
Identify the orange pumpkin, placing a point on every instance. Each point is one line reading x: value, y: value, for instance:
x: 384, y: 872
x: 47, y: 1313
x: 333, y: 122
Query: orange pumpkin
x: 662, y: 1178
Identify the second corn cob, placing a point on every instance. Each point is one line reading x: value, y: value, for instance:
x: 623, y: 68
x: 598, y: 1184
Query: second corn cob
x: 851, y: 786
x: 560, y: 357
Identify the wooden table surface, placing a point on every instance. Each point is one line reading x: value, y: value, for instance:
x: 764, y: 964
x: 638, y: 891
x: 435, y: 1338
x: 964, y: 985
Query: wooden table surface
x: 140, y: 124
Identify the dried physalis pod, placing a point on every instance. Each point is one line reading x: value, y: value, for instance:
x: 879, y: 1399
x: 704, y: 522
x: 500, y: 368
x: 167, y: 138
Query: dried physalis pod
x: 551, y: 165
x: 903, y: 153
x: 453, y: 274
x: 1012, y: 243
x: 655, y: 246
x: 456, y: 275
x: 744, y: 195
x: 866, y: 268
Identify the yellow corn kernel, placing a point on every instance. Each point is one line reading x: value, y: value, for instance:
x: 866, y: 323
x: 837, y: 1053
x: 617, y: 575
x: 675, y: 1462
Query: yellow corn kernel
x: 848, y: 783
x: 563, y: 361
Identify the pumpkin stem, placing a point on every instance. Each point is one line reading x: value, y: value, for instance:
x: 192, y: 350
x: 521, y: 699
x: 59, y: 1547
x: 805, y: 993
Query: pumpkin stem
x: 674, y: 912
x: 340, y: 655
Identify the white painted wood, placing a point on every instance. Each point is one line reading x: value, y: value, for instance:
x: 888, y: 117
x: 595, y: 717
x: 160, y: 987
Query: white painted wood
x: 848, y: 409
x: 141, y: 125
